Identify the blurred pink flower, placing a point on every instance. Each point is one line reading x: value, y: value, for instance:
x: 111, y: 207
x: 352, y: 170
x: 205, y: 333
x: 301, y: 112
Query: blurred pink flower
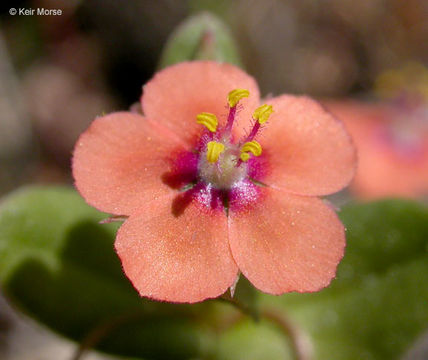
x: 392, y: 145
x: 205, y: 199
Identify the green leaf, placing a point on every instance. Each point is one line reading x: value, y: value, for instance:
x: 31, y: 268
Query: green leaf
x: 221, y: 8
x: 200, y: 37
x: 247, y: 340
x: 377, y: 306
x: 59, y: 266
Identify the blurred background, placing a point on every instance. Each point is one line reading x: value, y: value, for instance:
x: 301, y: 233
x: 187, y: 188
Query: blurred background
x: 59, y: 72
x: 366, y: 60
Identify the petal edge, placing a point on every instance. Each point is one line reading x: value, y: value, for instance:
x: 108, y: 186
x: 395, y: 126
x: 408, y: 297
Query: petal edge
x: 177, y: 258
x: 309, y: 150
x: 119, y: 160
x: 178, y: 93
x: 287, y: 242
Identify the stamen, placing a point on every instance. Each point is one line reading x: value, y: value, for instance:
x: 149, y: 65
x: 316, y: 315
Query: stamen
x: 208, y: 120
x: 244, y: 156
x: 262, y: 113
x: 236, y: 95
x: 250, y: 147
x: 214, y: 149
x: 233, y: 99
x: 253, y: 146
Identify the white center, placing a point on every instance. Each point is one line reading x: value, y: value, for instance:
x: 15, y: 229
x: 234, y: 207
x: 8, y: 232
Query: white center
x: 224, y: 173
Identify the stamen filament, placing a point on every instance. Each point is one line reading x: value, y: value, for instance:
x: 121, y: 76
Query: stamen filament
x: 260, y: 115
x: 230, y: 119
x: 233, y: 99
x: 253, y: 132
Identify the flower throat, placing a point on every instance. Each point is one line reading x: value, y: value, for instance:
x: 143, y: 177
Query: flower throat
x: 222, y: 162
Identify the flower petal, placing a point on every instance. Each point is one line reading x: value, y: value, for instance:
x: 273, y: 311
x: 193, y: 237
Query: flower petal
x: 310, y: 152
x: 286, y: 242
x: 177, y: 94
x: 119, y: 161
x: 177, y: 251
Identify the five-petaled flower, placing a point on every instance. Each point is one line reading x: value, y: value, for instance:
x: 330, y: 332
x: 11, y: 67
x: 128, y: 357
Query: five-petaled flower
x: 210, y: 193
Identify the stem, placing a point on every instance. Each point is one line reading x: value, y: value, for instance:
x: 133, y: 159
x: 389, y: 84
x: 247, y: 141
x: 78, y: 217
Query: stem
x: 100, y: 331
x: 300, y: 344
x: 240, y: 306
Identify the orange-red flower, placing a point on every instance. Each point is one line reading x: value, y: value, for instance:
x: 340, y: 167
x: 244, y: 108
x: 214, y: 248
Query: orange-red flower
x: 209, y: 193
x: 392, y: 144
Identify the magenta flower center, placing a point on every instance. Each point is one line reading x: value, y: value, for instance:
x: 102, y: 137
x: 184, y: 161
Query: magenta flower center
x: 223, y: 170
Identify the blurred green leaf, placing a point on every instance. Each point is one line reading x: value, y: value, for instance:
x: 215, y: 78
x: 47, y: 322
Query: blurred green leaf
x: 200, y: 37
x: 221, y: 8
x: 378, y: 304
x: 247, y: 340
x: 58, y: 265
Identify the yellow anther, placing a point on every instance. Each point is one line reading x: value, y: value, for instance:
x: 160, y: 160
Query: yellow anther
x: 236, y: 95
x: 207, y: 119
x: 253, y: 147
x: 214, y: 149
x: 262, y: 113
x: 244, y: 156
